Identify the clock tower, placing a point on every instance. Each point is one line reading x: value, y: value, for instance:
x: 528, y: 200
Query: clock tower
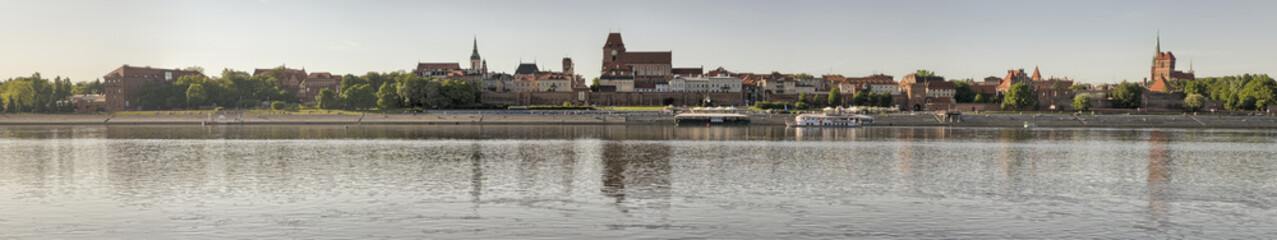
x: 612, y: 49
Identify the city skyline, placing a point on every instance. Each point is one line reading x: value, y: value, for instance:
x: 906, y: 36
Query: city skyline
x: 1091, y: 42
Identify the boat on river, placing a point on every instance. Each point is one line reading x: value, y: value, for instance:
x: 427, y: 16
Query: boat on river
x: 711, y: 116
x: 831, y: 118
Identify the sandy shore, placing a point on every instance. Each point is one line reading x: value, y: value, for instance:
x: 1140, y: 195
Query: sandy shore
x: 919, y: 119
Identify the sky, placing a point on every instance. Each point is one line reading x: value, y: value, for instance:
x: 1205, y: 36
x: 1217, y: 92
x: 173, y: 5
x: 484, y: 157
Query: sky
x: 1088, y: 41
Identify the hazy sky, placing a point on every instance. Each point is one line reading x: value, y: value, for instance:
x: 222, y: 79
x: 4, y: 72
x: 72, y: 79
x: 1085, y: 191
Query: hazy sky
x: 1091, y: 41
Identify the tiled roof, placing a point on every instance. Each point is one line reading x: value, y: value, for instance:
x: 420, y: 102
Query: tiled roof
x: 128, y: 71
x: 941, y: 85
x: 526, y: 68
x: 687, y: 71
x: 646, y: 58
x: 438, y: 66
x: 614, y: 40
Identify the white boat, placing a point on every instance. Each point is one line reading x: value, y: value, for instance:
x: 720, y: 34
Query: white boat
x: 831, y: 118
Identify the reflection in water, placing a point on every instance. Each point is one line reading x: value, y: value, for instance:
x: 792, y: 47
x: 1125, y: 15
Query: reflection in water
x: 1159, y: 176
x: 637, y: 174
x: 604, y: 182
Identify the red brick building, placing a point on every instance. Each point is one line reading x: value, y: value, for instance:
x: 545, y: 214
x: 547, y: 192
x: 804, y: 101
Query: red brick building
x: 647, y: 68
x: 315, y: 82
x: 1164, y: 71
x: 289, y: 79
x: 122, y: 84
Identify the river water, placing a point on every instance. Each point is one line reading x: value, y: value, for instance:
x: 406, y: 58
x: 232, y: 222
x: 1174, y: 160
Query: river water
x: 601, y: 182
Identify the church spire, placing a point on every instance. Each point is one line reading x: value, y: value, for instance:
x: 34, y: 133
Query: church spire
x: 475, y: 54
x: 1159, y: 42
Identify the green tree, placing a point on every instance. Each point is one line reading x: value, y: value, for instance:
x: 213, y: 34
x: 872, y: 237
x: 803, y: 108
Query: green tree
x: 803, y: 76
x: 1019, y: 96
x: 1127, y: 95
x: 195, y: 95
x: 388, y: 97
x: 1082, y: 102
x: 278, y: 105
x: 924, y: 73
x: 884, y: 100
x: 835, y: 97
x: 11, y: 106
x: 980, y: 98
x: 1077, y: 87
x: 802, y: 97
x: 802, y: 105
x: 327, y: 99
x: 360, y: 96
x: 962, y: 92
x: 1194, y: 102
x: 594, y: 86
x: 412, y: 90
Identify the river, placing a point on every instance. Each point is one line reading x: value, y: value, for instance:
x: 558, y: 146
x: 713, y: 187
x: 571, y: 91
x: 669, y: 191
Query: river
x: 639, y: 181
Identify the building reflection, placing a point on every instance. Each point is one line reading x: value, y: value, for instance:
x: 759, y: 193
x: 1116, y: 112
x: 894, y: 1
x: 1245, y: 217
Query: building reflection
x: 637, y: 175
x: 1160, y: 166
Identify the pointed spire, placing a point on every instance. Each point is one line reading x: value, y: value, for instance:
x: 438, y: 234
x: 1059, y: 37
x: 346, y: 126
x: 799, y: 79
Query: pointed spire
x: 1159, y: 42
x: 1036, y: 76
x: 475, y: 54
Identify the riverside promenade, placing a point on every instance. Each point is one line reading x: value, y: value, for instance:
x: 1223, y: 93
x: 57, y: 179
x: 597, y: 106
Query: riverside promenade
x: 899, y: 119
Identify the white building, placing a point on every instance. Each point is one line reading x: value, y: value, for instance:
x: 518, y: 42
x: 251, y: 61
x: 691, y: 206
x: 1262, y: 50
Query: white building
x: 705, y: 84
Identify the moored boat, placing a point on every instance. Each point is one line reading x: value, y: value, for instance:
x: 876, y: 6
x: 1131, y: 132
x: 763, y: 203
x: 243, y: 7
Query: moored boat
x: 831, y: 118
x: 711, y: 116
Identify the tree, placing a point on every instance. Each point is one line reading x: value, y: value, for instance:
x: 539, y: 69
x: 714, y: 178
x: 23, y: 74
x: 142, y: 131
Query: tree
x: 11, y: 106
x: 1019, y: 96
x: 803, y: 76
x: 1127, y: 95
x: 802, y: 97
x: 195, y: 95
x: 962, y: 92
x: 884, y: 100
x: 1077, y: 87
x: 412, y: 90
x: 1082, y: 102
x: 388, y: 97
x: 327, y: 99
x: 802, y: 105
x: 979, y: 98
x: 1194, y: 102
x: 278, y: 105
x: 360, y: 96
x: 594, y: 86
x: 924, y: 73
x: 835, y: 97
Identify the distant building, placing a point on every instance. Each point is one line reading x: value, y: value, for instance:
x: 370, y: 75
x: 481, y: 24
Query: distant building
x: 917, y: 91
x: 88, y: 103
x: 646, y: 69
x: 315, y: 82
x: 451, y: 70
x: 705, y: 84
x: 122, y: 84
x: 1164, y: 71
x: 1013, y: 77
x: 289, y: 79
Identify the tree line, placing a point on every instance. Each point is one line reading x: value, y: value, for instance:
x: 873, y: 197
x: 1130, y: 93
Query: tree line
x: 1239, y: 93
x: 36, y: 94
x: 395, y: 90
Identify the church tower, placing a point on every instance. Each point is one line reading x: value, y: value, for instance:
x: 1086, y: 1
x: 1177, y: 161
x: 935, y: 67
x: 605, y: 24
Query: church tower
x: 567, y: 66
x: 612, y: 49
x: 475, y: 60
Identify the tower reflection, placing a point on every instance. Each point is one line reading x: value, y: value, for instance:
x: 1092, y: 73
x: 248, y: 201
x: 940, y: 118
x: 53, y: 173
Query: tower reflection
x: 637, y: 174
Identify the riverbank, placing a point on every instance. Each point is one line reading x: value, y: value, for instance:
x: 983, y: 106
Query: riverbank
x: 904, y: 119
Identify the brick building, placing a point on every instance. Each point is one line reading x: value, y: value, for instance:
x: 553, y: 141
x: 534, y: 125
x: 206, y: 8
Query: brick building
x: 315, y: 82
x: 121, y: 85
x: 1164, y: 71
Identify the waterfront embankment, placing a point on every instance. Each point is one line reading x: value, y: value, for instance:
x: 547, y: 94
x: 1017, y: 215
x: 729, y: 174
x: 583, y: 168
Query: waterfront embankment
x: 904, y: 119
